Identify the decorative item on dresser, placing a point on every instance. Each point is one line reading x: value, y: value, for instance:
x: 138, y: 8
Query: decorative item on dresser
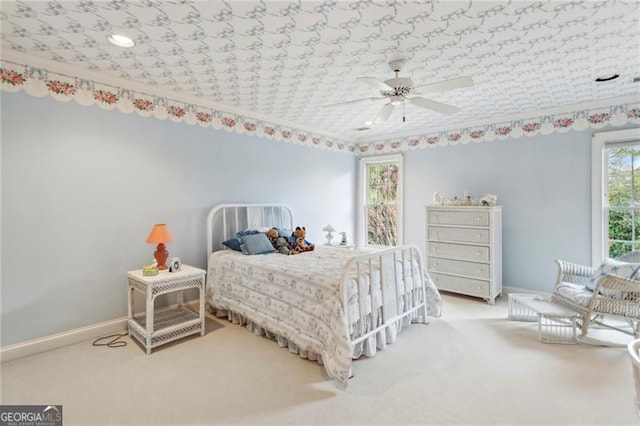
x: 464, y: 250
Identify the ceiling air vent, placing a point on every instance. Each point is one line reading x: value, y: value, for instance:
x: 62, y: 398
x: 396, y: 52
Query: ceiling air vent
x: 607, y: 78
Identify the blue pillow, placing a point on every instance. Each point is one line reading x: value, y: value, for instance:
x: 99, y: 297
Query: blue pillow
x: 284, y: 232
x: 247, y: 232
x: 256, y: 244
x: 233, y: 243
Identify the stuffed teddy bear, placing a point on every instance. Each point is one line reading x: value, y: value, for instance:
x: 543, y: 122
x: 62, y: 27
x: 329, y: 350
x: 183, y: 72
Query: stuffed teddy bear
x: 298, y: 240
x: 302, y: 246
x: 279, y: 242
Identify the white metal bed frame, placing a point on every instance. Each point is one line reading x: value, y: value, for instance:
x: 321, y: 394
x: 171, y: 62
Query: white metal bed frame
x: 362, y: 266
x: 231, y: 218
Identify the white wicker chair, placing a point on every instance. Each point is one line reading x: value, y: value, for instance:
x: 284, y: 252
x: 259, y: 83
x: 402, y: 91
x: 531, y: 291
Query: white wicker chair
x: 613, y: 296
x: 634, y: 355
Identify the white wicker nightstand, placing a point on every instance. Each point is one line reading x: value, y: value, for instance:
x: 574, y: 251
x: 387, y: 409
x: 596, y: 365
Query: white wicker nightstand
x: 154, y: 328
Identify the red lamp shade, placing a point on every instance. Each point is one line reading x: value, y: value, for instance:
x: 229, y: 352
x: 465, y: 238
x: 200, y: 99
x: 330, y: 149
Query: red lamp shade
x: 159, y: 235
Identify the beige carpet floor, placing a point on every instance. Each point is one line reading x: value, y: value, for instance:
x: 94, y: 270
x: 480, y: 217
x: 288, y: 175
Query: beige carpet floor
x: 472, y: 366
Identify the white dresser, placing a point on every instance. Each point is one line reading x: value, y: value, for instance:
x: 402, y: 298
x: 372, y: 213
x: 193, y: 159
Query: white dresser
x: 464, y: 250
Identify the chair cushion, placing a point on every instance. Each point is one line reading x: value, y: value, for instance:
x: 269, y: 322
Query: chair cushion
x: 613, y: 267
x: 578, y: 294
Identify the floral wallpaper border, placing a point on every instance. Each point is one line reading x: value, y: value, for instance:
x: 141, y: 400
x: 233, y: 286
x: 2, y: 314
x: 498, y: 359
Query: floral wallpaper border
x: 596, y: 118
x: 39, y: 82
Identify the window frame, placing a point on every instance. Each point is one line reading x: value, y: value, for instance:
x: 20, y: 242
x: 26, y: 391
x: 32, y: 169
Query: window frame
x: 364, y: 164
x: 599, y: 186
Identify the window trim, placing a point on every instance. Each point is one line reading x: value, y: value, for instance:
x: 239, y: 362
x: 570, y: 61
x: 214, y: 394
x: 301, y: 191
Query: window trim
x: 599, y: 182
x: 362, y: 181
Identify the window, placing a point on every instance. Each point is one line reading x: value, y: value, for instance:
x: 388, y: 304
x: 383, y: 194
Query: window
x: 380, y: 206
x: 616, y: 193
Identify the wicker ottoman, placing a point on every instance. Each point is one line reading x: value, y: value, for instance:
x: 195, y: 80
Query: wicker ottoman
x: 555, y: 323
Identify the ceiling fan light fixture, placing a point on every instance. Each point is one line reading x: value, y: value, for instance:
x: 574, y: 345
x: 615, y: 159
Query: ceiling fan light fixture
x: 399, y: 89
x: 120, y: 40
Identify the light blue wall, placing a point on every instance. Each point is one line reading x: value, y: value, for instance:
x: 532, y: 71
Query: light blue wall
x: 543, y: 184
x: 81, y: 188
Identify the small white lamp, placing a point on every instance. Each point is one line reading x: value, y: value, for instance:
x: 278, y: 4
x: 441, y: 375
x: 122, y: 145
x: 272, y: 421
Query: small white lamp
x: 329, y: 229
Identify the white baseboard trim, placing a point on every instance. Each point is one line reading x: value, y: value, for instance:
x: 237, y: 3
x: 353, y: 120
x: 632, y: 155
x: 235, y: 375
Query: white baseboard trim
x: 511, y: 289
x: 58, y: 340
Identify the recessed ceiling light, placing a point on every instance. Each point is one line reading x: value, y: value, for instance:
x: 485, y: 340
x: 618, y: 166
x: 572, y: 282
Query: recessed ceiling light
x: 368, y: 123
x: 607, y: 78
x: 120, y: 40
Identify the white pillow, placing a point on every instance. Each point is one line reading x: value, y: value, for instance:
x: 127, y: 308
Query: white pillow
x: 613, y: 267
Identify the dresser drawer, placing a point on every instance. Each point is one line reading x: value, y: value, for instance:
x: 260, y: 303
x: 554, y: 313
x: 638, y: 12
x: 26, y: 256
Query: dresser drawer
x: 470, y: 269
x: 461, y: 251
x: 461, y: 285
x: 463, y: 235
x: 473, y: 218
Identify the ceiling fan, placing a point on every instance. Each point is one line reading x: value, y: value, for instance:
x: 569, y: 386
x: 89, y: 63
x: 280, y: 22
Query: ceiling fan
x: 397, y: 90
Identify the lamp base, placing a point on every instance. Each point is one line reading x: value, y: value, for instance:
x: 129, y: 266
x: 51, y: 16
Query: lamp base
x: 329, y: 237
x: 161, y: 254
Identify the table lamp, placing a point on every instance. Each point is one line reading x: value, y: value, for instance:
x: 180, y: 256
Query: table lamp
x: 159, y: 235
x: 329, y: 229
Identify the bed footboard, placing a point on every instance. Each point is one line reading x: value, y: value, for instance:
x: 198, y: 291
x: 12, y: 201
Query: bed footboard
x: 390, y: 289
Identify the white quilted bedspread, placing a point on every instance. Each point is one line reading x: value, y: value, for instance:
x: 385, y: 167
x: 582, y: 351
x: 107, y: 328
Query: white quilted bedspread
x: 296, y: 297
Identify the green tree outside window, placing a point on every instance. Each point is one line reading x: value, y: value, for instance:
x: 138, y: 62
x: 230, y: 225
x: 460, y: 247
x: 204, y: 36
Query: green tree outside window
x: 624, y: 199
x: 381, y: 208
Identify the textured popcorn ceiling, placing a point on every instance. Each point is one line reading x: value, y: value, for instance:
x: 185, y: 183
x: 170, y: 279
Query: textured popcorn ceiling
x: 286, y: 60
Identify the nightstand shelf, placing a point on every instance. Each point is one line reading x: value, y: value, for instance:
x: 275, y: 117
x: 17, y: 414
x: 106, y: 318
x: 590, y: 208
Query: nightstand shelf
x: 153, y: 328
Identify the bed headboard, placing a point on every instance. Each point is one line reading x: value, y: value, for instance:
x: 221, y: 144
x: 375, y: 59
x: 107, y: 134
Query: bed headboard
x: 225, y: 220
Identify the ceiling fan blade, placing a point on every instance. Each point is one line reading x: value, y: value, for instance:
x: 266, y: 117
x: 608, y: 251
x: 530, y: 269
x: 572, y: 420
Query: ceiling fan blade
x: 354, y: 101
x: 443, y: 86
x: 435, y: 106
x: 384, y: 113
x: 375, y: 83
